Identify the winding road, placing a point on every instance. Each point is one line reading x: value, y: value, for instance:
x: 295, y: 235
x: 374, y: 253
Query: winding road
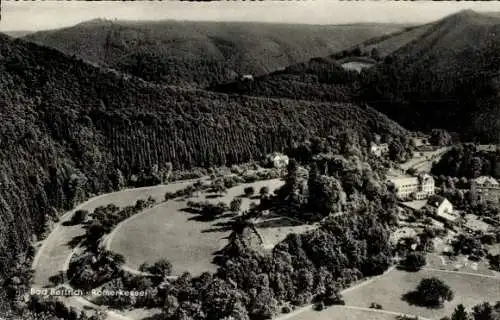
x: 56, y: 250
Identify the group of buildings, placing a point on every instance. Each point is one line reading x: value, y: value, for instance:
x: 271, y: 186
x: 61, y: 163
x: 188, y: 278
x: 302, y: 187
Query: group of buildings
x: 487, y: 189
x: 419, y: 192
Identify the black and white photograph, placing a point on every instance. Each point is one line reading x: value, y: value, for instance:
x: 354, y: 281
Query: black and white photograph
x: 250, y: 160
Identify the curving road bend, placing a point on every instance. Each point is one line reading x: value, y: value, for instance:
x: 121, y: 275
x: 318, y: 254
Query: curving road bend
x: 55, y: 252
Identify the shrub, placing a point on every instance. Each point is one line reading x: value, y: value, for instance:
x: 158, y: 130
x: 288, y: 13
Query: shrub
x: 235, y: 205
x: 375, y: 305
x: 430, y: 292
x: 286, y: 309
x: 264, y: 191
x: 249, y: 191
x: 79, y: 216
x: 414, y: 261
x: 319, y: 306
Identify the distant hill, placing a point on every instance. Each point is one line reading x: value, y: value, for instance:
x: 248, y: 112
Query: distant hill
x: 442, y: 74
x: 69, y: 129
x: 17, y: 33
x: 203, y: 53
x: 324, y: 78
x: 447, y: 77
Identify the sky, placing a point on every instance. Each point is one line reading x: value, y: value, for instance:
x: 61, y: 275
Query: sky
x: 42, y: 15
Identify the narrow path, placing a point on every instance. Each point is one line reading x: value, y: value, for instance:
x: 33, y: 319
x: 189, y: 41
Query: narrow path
x: 464, y: 273
x: 382, y: 311
x: 55, y: 253
x: 310, y: 306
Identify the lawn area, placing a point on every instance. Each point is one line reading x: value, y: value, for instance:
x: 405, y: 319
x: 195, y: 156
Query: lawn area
x: 166, y: 231
x: 275, y: 229
x: 459, y: 263
x: 441, y: 261
x: 341, y: 313
x: 388, y: 290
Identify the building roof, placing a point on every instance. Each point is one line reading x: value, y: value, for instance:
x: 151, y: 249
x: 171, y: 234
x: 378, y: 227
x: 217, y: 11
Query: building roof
x: 415, y: 204
x: 426, y: 178
x: 436, y: 200
x: 486, y: 180
x: 448, y: 216
x: 401, y: 181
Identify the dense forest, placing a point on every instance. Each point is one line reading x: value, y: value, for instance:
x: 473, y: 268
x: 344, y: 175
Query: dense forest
x: 445, y: 74
x: 469, y: 162
x: 70, y: 130
x: 319, y: 79
x: 202, y: 53
x: 445, y: 78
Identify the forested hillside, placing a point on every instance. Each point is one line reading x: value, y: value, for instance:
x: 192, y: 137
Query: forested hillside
x: 203, y: 53
x: 319, y: 79
x: 444, y: 75
x: 69, y: 129
x: 447, y: 78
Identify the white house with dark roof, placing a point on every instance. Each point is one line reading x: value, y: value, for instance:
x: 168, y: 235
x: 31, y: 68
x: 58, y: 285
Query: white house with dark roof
x: 442, y: 208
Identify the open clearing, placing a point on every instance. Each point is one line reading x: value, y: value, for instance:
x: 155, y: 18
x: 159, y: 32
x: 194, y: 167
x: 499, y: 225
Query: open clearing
x: 166, y: 231
x: 389, y: 289
x: 275, y: 229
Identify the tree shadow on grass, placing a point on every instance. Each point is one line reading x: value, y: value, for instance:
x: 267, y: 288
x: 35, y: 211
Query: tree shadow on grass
x: 223, y: 228
x: 413, y: 298
x: 407, y: 269
x: 58, y: 278
x: 277, y: 222
x: 191, y: 210
x: 73, y: 243
x: 213, y: 196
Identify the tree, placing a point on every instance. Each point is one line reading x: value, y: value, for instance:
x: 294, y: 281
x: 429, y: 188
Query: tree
x: 235, y: 205
x: 264, y: 191
x: 414, y: 261
x: 397, y: 151
x: 219, y: 187
x: 460, y: 313
x: 485, y: 311
x: 324, y: 193
x: 433, y: 292
x: 375, y: 54
x: 170, y: 306
x: 249, y: 191
x: 79, y: 216
x: 161, y: 268
x: 440, y: 137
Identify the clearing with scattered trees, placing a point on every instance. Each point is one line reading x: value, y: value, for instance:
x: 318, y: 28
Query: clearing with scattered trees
x: 185, y: 239
x: 389, y: 290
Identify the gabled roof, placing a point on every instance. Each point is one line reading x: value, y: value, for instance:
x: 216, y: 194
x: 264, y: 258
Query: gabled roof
x: 435, y: 200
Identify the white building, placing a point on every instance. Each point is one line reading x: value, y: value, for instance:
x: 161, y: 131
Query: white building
x: 247, y: 77
x: 415, y: 188
x: 487, y: 188
x: 278, y: 160
x: 486, y: 182
x: 379, y: 149
x: 442, y: 208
